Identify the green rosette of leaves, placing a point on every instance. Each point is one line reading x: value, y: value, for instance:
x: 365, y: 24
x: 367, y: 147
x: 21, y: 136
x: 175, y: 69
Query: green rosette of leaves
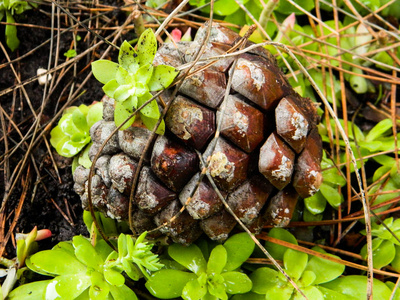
x: 385, y: 245
x: 216, y: 278
x: 71, y: 134
x: 83, y: 271
x: 131, y: 80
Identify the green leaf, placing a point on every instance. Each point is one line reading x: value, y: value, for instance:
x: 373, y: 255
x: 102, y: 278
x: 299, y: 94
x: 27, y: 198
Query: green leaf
x: 168, y: 284
x: 324, y: 269
x: 216, y: 287
x: 151, y: 123
x: 217, y: 260
x: 396, y: 260
x: 65, y: 246
x: 127, y: 58
x: 307, y: 278
x: 193, y: 290
x: 226, y: 7
x: 104, y: 70
x: 331, y: 195
x: 311, y: 292
x: 283, y: 292
x: 295, y: 263
x: 11, y: 33
x: 238, y: 247
x: 99, y: 288
x: 56, y: 136
x: 315, y: 204
x: 162, y: 77
x: 86, y: 253
x: 189, y: 257
x: 131, y: 270
x: 394, y: 289
x: 381, y: 171
x: 122, y: 246
x: 383, y: 254
x: 83, y: 158
x: 34, y: 290
x: 379, y: 130
x: 389, y: 191
x: 146, y: 47
x: 68, y: 126
x: 110, y: 87
x: 113, y: 277
x: 309, y: 217
x: 79, y: 120
x: 265, y: 279
x: 237, y: 283
x: 334, y: 295
x: 144, y: 74
x: 103, y: 249
x: 71, y: 53
x: 123, y: 77
x: 356, y: 286
x: 277, y: 251
x: 286, y: 8
x: 67, y: 286
x: 55, y: 262
x: 94, y: 114
x: 248, y: 296
x: 122, y: 293
x: 121, y: 114
x: 334, y: 177
x: 68, y: 148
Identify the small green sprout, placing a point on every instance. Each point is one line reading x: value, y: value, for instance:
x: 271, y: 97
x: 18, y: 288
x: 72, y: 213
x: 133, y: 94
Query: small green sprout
x: 71, y: 53
x: 215, y: 279
x: 71, y: 134
x: 131, y: 80
x: 84, y: 271
x: 9, y: 8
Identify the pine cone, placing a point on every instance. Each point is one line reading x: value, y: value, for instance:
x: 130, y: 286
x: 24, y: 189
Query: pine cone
x: 268, y: 153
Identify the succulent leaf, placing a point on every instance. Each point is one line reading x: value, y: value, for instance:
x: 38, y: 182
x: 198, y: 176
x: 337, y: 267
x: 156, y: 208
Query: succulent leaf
x: 277, y: 251
x: 160, y: 284
x: 238, y: 247
x: 55, y: 262
x: 217, y: 260
x: 147, y: 47
x: 236, y: 282
x: 189, y: 257
x: 104, y: 70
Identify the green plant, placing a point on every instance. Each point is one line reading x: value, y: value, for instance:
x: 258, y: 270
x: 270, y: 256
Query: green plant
x: 9, y: 8
x: 213, y: 279
x: 84, y: 271
x: 131, y: 80
x: 307, y: 271
x: 385, y: 245
x: 71, y: 134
